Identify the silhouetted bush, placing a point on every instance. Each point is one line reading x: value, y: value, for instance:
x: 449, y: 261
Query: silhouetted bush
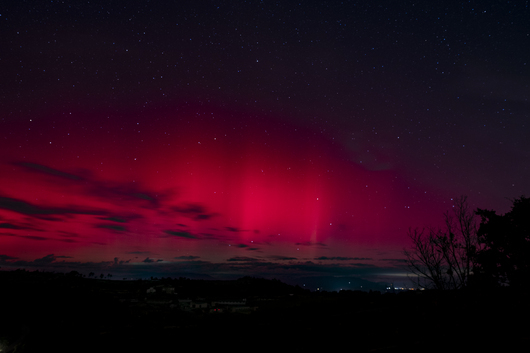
x: 505, y: 258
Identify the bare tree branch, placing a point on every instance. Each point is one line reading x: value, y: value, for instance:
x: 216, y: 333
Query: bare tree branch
x: 443, y: 258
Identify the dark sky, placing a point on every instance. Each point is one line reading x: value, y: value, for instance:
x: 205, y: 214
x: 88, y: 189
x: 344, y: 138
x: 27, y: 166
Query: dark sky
x: 281, y: 139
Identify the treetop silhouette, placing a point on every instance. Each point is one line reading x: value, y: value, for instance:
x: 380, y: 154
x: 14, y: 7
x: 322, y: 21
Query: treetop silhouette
x: 506, y: 255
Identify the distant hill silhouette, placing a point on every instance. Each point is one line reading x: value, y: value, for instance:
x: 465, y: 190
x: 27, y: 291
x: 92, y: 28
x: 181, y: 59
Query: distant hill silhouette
x: 69, y: 313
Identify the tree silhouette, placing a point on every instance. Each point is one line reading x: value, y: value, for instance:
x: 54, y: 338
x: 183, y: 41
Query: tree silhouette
x: 444, y: 258
x: 505, y: 258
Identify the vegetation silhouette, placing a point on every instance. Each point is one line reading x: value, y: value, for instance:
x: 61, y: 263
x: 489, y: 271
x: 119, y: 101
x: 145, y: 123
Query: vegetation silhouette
x: 445, y: 258
x: 466, y: 253
x: 504, y: 260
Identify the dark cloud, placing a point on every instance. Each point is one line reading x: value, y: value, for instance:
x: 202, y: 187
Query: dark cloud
x: 309, y: 243
x: 180, y: 234
x: 4, y: 258
x: 241, y: 246
x: 123, y: 193
x: 143, y: 196
x: 395, y: 260
x: 360, y: 264
x: 191, y: 267
x: 203, y: 217
x: 243, y: 259
x: 341, y: 258
x: 282, y: 258
x: 195, y: 211
x: 68, y: 234
x: 189, y: 208
x: 46, y: 170
x: 10, y: 226
x: 33, y: 237
x: 232, y: 229
x: 29, y: 209
x: 210, y: 235
x: 117, y: 262
x: 190, y: 257
x: 112, y: 227
x: 46, y: 259
x: 138, y: 252
x: 68, y: 240
x: 50, y: 263
x: 114, y: 192
x: 19, y: 227
x: 115, y: 219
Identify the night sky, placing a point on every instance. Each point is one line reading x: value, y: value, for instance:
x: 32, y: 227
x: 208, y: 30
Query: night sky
x: 217, y: 139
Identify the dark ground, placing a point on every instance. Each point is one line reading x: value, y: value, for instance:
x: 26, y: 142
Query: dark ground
x: 68, y: 313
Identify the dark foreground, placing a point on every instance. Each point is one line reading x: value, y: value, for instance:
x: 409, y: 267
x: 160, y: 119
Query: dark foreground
x: 68, y: 313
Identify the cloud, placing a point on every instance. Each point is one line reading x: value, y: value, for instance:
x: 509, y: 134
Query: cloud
x: 190, y: 257
x: 28, y: 209
x: 33, y: 237
x: 395, y: 260
x: 46, y: 259
x: 192, y: 267
x: 243, y: 259
x: 180, y: 234
x: 50, y: 263
x: 10, y: 226
x: 360, y: 264
x: 341, y: 258
x: 68, y: 234
x: 203, y: 217
x: 115, y: 219
x: 68, y: 240
x: 195, y: 211
x: 282, y: 258
x: 19, y: 227
x: 120, y: 262
x: 124, y: 193
x: 309, y: 243
x: 114, y: 192
x: 189, y: 208
x: 46, y: 170
x: 4, y: 258
x: 112, y: 227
